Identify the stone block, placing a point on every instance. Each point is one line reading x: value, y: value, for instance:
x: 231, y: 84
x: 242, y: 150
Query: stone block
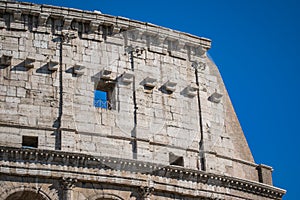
x: 12, y: 100
x: 3, y: 90
x: 21, y: 92
x: 11, y: 91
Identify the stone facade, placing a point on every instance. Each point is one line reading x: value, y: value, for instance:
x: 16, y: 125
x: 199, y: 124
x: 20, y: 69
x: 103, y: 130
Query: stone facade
x: 167, y: 130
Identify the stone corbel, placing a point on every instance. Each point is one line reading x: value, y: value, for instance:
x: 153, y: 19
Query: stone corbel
x: 118, y: 29
x: 175, y: 48
x: 150, y: 82
x: 17, y: 22
x: 43, y: 17
x: 108, y: 75
x: 200, y: 51
x: 94, y: 27
x: 17, y: 16
x: 79, y: 69
x: 192, y: 89
x: 53, y: 65
x: 123, y: 28
x: 157, y: 45
x: 170, y: 86
x: 180, y: 45
x: 5, y: 60
x: 215, y: 97
x: 196, y: 50
x: 134, y: 34
x: 42, y: 22
x: 67, y: 23
x: 159, y: 40
x: 115, y: 29
x: 29, y: 62
x: 153, y: 38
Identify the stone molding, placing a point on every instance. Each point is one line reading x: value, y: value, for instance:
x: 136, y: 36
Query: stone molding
x: 49, y: 157
x: 99, y: 27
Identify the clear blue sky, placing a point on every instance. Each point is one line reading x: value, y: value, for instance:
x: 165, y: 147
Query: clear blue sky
x: 256, y: 46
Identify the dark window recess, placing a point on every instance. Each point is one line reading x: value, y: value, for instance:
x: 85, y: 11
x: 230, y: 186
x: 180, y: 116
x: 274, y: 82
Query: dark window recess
x: 29, y: 142
x: 175, y: 160
x: 106, y: 31
x: 104, y: 95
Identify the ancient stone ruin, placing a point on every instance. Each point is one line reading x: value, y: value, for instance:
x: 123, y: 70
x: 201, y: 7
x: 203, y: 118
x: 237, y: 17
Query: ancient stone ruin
x: 98, y: 107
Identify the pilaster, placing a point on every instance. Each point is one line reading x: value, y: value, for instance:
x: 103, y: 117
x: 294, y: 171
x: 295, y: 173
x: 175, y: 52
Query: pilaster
x: 67, y: 185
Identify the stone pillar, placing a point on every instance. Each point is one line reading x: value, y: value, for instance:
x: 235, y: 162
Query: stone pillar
x: 67, y: 185
x: 146, y: 192
x: 265, y: 174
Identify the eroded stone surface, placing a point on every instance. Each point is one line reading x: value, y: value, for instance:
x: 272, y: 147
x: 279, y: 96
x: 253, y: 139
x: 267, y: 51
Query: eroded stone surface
x: 167, y: 107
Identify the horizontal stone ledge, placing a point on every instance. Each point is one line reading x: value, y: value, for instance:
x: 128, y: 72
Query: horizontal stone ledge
x: 231, y: 158
x: 15, y: 125
x: 134, y: 181
x: 79, y: 160
x: 120, y: 23
x: 138, y: 139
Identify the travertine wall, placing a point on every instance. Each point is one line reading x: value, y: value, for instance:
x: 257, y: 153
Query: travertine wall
x: 168, y: 98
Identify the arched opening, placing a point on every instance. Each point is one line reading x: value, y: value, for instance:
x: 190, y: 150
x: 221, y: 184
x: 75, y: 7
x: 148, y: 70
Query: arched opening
x: 26, y: 195
x: 105, y: 197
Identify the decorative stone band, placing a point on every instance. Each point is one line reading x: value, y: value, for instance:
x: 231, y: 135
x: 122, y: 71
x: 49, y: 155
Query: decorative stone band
x: 46, y: 19
x: 10, y: 158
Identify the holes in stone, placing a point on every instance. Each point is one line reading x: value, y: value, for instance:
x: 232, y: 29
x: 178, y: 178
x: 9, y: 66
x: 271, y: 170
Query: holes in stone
x: 29, y: 141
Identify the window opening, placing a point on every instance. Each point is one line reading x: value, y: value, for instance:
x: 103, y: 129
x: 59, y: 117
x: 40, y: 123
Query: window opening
x: 176, y: 160
x: 104, y: 95
x: 29, y: 142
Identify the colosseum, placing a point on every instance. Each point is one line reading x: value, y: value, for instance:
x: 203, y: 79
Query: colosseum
x: 99, y: 107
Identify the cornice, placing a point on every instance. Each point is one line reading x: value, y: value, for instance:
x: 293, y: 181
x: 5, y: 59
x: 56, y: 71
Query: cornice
x: 51, y: 157
x: 94, y: 27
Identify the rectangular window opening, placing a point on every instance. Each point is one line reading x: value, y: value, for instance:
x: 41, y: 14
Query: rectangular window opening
x: 29, y: 141
x: 176, y: 160
x: 104, y: 95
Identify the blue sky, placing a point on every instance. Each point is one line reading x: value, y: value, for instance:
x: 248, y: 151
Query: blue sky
x: 256, y: 47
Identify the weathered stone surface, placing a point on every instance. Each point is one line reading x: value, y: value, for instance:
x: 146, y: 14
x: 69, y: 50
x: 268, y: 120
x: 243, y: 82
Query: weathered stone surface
x: 167, y: 130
